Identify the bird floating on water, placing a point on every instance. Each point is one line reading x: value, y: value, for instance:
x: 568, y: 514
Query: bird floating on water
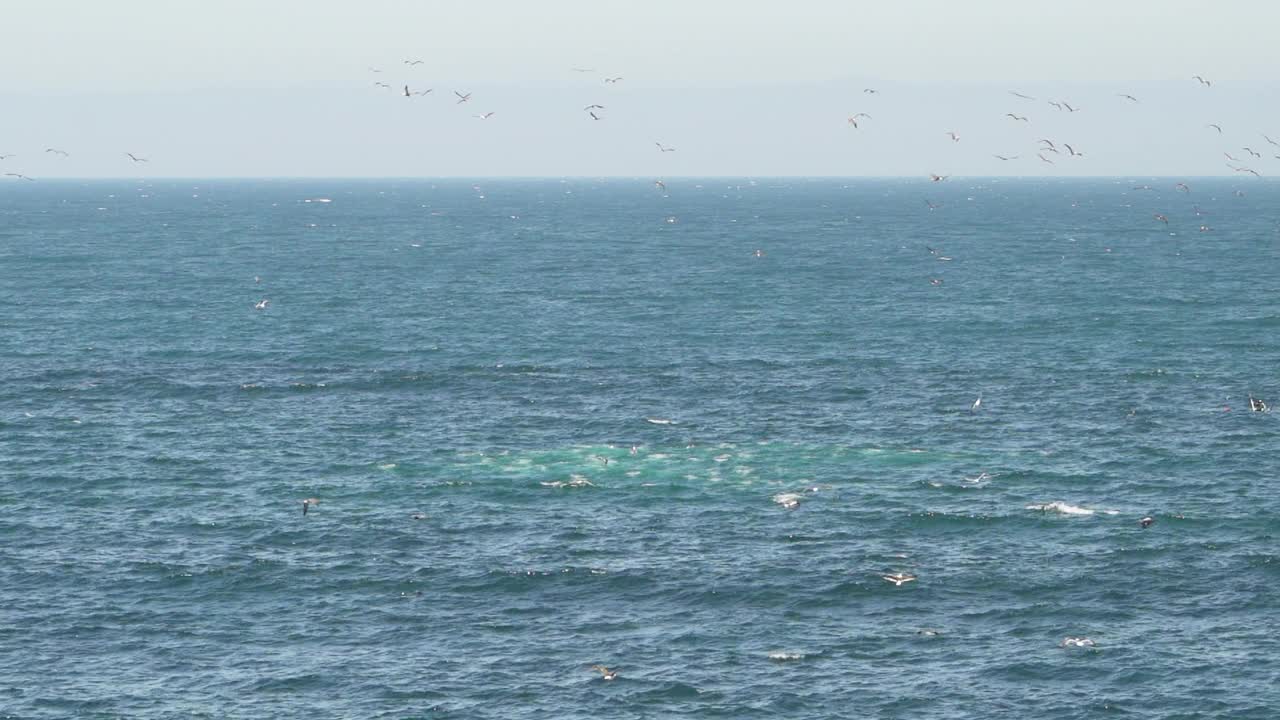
x: 1147, y: 521
x: 261, y: 304
x: 1078, y: 642
x: 898, y: 579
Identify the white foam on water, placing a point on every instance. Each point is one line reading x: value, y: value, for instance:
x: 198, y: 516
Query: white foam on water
x: 1061, y: 508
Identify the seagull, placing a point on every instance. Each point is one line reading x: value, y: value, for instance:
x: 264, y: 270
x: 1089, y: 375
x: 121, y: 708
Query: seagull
x: 1215, y: 127
x: 1056, y: 104
x: 661, y: 186
x: 1078, y: 642
x: 1042, y: 157
x: 592, y: 107
x: 1245, y: 169
x: 374, y: 69
x: 1072, y: 150
x: 411, y: 63
x: 853, y: 119
x: 461, y: 97
x: 261, y: 304
x: 593, y: 115
x: 1183, y: 187
x: 870, y: 91
x: 1264, y: 137
x: 1002, y: 157
x: 664, y: 148
x: 135, y: 158
x: 1205, y: 228
x: 932, y: 206
x: 1147, y: 521
x: 1161, y: 218
x: 898, y: 578
x: 484, y: 116
x: 382, y: 85
x: 63, y: 153
x: 977, y: 404
x: 1018, y: 94
x: 1127, y: 97
x: 20, y: 176
x: 1023, y: 118
x: 605, y: 673
x: 954, y: 137
x: 308, y: 503
x: 935, y: 281
x: 938, y: 178
x: 423, y: 92
x: 1231, y: 158
x: 1204, y: 82
x: 1050, y: 144
x: 1069, y: 108
x: 1257, y: 155
x: 612, y: 80
x: 583, y: 70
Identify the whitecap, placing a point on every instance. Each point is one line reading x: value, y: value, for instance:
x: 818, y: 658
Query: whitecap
x: 789, y: 501
x: 786, y: 656
x: 1061, y: 508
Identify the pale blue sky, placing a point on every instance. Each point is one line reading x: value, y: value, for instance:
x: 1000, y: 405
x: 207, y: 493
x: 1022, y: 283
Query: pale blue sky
x: 282, y: 88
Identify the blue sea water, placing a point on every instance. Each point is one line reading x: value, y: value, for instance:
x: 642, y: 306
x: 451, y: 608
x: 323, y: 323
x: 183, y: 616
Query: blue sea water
x: 474, y: 351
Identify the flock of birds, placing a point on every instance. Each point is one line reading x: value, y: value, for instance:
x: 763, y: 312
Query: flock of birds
x: 1045, y: 147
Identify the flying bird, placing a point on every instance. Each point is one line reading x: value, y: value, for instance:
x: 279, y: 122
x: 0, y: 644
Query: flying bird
x: 1257, y: 155
x: 1231, y: 157
x: 462, y: 97
x: 583, y: 70
x: 1183, y: 187
x: 664, y: 148
x: 1245, y: 169
x: 308, y: 504
x: 1015, y: 93
x: 1127, y: 97
x: 1215, y: 127
x: 63, y: 153
x: 1010, y: 157
x: 1273, y: 142
x: 1042, y: 157
x: 1204, y: 82
x: 1056, y: 104
x: 853, y: 119
x: 20, y: 176
x: 593, y: 115
x: 660, y: 185
x: 938, y: 178
x: 1069, y: 108
x: 1072, y: 150
x: 898, y: 578
x: 977, y: 405
x: 261, y: 304
x: 592, y: 107
x: 954, y: 137
x: 484, y: 116
x: 382, y: 85
x: 135, y: 158
x: 1049, y: 143
x: 612, y: 80
x: 870, y: 91
x: 6, y: 157
x: 605, y: 673
x: 1161, y: 218
x: 411, y: 63
x: 1023, y: 118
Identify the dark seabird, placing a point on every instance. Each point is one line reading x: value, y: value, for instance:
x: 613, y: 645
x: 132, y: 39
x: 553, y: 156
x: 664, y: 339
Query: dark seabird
x: 605, y: 673
x: 308, y: 503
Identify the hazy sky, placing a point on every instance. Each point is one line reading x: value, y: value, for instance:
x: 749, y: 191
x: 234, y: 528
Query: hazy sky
x: 738, y: 87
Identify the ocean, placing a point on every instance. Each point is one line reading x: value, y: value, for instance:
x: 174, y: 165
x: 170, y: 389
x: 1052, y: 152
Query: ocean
x: 681, y: 433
